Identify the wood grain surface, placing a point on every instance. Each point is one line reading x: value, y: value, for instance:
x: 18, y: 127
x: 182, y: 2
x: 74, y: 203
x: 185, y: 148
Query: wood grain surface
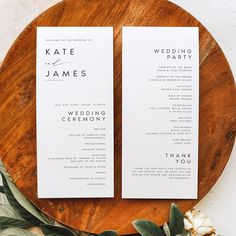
x: 217, y: 126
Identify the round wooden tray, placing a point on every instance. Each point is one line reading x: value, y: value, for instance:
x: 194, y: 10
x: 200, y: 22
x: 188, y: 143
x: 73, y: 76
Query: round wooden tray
x: 17, y: 111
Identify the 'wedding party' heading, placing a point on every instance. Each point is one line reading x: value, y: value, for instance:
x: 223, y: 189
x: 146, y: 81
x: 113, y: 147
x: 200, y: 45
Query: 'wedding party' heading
x: 175, y: 54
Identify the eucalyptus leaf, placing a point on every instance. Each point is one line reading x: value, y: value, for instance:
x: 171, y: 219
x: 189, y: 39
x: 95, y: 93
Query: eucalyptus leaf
x: 108, y: 233
x: 16, y: 232
x: 147, y: 228
x: 176, y: 224
x: 3, y: 199
x: 6, y: 222
x: 1, y: 189
x: 9, y: 218
x: 166, y: 229
x: 20, y: 204
x: 52, y: 230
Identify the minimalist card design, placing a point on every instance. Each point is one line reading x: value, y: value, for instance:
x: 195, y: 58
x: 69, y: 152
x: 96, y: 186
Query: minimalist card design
x: 160, y: 112
x: 75, y: 112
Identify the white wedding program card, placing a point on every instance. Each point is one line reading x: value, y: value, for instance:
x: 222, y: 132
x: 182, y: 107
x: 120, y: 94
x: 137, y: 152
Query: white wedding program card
x: 160, y: 112
x: 75, y: 112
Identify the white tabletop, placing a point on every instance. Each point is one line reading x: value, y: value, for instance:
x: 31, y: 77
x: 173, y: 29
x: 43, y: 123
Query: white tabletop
x: 219, y: 17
